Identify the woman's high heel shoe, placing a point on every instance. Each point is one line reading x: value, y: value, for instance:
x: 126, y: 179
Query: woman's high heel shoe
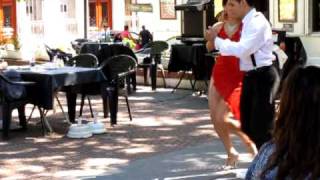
x: 232, y: 161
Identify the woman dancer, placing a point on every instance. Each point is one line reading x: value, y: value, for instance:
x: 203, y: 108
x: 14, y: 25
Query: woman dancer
x: 225, y: 89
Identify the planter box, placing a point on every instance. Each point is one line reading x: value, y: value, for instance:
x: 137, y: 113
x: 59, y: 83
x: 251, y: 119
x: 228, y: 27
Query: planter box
x: 13, y: 55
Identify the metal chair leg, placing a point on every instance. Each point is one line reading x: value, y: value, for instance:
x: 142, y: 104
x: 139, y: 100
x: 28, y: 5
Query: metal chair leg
x: 61, y: 107
x: 128, y: 106
x: 176, y: 87
x: 82, y: 104
x: 134, y: 81
x: 30, y: 115
x: 22, y: 117
x: 42, y: 121
x: 6, y: 121
x: 113, y: 103
x: 163, y: 75
x: 90, y: 106
x: 145, y: 75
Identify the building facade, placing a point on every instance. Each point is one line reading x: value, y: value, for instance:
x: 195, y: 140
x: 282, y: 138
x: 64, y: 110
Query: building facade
x: 56, y: 22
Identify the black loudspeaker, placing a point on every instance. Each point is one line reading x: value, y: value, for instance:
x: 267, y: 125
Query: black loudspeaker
x: 196, y: 16
x: 194, y: 24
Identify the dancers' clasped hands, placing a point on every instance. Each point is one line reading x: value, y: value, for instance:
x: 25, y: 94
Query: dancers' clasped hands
x: 210, y: 35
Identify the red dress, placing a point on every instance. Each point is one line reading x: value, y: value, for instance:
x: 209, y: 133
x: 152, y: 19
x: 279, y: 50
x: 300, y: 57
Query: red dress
x: 228, y: 77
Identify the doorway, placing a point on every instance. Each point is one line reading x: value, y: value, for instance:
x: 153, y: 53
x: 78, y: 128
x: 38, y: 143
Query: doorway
x: 7, y: 19
x: 100, y: 13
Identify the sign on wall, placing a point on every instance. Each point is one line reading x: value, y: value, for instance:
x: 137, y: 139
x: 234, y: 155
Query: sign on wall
x: 141, y: 7
x: 287, y: 10
x: 167, y: 9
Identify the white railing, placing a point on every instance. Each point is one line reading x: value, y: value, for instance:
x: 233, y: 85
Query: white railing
x: 37, y: 28
x: 71, y: 26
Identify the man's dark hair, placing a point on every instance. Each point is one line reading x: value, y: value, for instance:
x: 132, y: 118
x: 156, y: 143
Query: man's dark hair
x: 250, y: 2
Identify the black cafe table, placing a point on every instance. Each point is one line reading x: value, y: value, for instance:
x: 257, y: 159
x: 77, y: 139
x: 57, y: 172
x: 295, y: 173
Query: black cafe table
x: 193, y: 58
x: 49, y: 80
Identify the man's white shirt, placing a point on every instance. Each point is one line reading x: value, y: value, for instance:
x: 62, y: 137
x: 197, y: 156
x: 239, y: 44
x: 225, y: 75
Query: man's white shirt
x: 256, y: 38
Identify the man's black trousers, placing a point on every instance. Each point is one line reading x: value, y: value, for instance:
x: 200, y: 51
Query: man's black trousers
x: 257, y: 103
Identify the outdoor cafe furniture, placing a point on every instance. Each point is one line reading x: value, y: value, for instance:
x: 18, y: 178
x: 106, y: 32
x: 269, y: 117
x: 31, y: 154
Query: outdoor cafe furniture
x: 9, y: 102
x: 52, y: 53
x: 105, y: 50
x: 193, y: 58
x: 153, y: 61
x: 110, y: 50
x: 84, y: 60
x: 50, y: 79
x: 118, y: 69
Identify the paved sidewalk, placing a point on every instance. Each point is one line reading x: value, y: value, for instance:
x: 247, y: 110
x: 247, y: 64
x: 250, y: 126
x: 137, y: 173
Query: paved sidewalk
x: 171, y: 137
x: 200, y: 162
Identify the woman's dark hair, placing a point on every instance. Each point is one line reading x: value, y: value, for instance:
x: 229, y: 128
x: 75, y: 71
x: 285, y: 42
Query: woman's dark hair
x: 126, y: 27
x: 297, y: 129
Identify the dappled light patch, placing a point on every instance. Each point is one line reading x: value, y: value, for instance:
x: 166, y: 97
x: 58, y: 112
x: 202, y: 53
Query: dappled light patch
x: 100, y: 163
x: 139, y: 149
x: 162, y: 122
x: 27, y: 150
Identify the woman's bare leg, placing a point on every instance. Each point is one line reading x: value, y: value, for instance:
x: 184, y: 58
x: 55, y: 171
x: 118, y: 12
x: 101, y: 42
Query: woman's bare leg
x: 219, y: 113
x: 235, y: 127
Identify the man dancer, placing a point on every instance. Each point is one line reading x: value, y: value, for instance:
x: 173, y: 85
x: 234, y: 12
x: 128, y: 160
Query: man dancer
x: 261, y: 80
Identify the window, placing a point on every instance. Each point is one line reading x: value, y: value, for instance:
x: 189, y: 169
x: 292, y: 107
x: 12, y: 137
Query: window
x: 315, y: 16
x: 104, y: 6
x: 167, y: 9
x: 287, y: 10
x: 34, y: 9
x: 67, y: 7
x: 7, y: 16
x: 92, y: 13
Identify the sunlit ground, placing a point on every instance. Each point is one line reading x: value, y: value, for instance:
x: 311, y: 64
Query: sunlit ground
x: 162, y: 122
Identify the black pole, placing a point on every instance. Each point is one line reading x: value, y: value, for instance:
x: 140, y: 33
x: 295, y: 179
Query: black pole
x: 85, y: 19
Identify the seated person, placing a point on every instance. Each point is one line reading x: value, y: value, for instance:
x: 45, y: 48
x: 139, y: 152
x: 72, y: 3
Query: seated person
x: 127, y: 38
x: 125, y: 33
x: 294, y: 151
x: 145, y: 36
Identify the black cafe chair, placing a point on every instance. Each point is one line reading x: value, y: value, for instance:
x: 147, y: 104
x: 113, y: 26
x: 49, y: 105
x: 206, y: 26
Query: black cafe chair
x: 84, y: 60
x: 107, y: 51
x: 153, y: 62
x: 77, y: 43
x: 90, y: 47
x: 14, y: 95
x: 119, y: 49
x: 57, y: 53
x: 117, y: 70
